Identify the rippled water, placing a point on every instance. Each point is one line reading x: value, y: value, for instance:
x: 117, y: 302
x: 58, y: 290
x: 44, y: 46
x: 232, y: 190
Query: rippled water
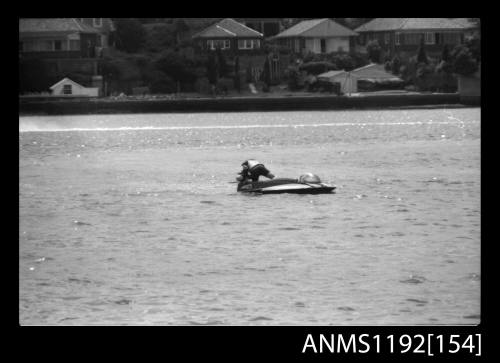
x: 131, y: 219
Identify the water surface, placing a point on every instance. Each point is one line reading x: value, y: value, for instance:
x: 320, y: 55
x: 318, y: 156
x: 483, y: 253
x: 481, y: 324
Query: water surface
x: 131, y: 219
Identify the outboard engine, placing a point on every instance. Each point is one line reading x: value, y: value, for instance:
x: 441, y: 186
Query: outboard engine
x: 309, y: 178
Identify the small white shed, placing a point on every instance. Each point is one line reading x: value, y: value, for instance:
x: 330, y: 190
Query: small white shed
x: 67, y: 87
x: 348, y: 82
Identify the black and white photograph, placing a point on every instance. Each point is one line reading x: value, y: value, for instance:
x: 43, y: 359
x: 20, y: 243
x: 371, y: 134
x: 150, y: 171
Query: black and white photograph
x: 250, y: 172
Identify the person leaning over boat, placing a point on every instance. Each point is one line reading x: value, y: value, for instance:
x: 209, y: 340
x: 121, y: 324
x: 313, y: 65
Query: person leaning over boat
x: 252, y: 169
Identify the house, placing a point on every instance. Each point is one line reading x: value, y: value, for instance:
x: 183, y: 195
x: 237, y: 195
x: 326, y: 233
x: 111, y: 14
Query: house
x: 57, y: 38
x: 316, y: 36
x: 104, y: 26
x: 68, y: 88
x: 230, y: 36
x: 348, y: 82
x: 267, y: 26
x: 402, y: 36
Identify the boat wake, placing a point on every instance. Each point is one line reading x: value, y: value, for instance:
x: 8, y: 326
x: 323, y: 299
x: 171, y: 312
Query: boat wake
x: 35, y: 127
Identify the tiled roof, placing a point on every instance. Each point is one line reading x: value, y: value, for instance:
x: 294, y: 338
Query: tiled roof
x: 330, y: 74
x: 373, y: 71
x: 65, y: 81
x: 316, y: 28
x: 53, y: 25
x: 387, y: 24
x: 228, y: 28
x: 466, y: 22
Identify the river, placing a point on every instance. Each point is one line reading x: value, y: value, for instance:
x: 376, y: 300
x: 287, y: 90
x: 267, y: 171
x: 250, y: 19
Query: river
x: 133, y: 219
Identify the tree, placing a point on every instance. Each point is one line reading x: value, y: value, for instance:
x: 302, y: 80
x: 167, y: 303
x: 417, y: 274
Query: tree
x: 445, y: 54
x: 221, y: 62
x: 237, y: 85
x: 374, y: 51
x: 421, y: 54
x: 129, y: 34
x: 176, y: 67
x: 249, y: 77
x: 474, y: 45
x: 33, y: 76
x: 463, y: 61
x: 266, y: 75
x: 212, y: 69
x: 180, y: 27
x: 395, y: 65
x: 159, y: 37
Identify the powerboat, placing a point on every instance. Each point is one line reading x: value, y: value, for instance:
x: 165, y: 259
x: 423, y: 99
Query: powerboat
x: 306, y: 184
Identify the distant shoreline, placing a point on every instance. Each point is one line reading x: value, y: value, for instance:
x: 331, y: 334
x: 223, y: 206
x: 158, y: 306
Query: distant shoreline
x: 82, y: 106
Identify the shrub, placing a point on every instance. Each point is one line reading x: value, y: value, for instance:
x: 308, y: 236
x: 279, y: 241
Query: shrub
x: 176, y: 67
x: 225, y: 83
x: 203, y: 86
x: 293, y: 76
x: 316, y: 68
x: 343, y: 61
x: 312, y: 57
x: 395, y: 65
x: 163, y: 84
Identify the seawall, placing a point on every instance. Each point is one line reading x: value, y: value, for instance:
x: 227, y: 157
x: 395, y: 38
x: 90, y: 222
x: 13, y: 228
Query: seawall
x: 239, y: 104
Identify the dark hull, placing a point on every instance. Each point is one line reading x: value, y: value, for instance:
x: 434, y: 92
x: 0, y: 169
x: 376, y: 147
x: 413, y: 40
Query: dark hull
x: 323, y: 190
x: 285, y: 185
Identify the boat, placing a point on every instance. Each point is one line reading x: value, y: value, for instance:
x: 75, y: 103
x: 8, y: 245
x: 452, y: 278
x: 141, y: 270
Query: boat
x: 306, y: 184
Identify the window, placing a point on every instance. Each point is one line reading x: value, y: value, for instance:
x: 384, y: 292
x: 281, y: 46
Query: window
x: 429, y: 38
x: 97, y: 22
x: 57, y: 45
x: 222, y: 44
x: 387, y: 38
x: 412, y: 38
x: 397, y: 38
x: 248, y: 43
x: 67, y: 89
x: 29, y: 46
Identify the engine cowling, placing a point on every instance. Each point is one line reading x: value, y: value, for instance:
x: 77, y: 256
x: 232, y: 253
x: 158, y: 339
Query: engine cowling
x: 309, y: 178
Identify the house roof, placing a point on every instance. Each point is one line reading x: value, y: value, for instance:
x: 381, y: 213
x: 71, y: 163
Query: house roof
x: 330, y: 74
x: 388, y: 24
x: 373, y: 71
x: 315, y: 28
x: 466, y: 22
x: 228, y: 28
x: 65, y: 80
x: 53, y: 26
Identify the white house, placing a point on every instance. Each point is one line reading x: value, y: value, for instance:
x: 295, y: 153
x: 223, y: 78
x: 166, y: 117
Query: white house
x: 348, y: 82
x: 316, y: 36
x: 67, y: 87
